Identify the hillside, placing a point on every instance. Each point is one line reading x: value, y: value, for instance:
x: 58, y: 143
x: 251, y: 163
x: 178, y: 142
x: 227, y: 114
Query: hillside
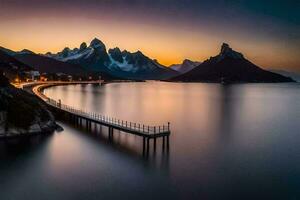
x: 22, y: 113
x: 230, y: 67
x: 11, y: 66
x: 48, y: 65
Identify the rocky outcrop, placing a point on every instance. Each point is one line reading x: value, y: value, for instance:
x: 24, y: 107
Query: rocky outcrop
x: 3, y: 80
x: 23, y: 114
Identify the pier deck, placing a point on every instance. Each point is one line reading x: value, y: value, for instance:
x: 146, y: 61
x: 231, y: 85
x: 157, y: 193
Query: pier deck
x: 79, y: 116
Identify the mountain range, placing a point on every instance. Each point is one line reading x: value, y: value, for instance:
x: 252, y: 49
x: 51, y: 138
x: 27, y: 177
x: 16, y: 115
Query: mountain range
x: 48, y: 65
x: 11, y: 66
x: 229, y: 66
x: 42, y: 63
x: 115, y: 62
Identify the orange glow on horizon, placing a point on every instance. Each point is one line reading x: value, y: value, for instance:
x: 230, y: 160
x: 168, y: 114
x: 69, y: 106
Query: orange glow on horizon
x: 169, y: 45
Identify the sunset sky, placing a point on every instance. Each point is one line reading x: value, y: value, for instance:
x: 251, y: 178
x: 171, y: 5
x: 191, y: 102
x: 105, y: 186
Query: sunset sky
x: 266, y: 32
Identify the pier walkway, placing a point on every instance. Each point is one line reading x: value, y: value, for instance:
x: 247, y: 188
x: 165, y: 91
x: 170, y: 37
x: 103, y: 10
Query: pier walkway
x: 87, y: 119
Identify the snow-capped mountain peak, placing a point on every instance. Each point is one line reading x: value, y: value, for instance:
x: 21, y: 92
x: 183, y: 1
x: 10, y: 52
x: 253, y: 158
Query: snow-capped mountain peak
x: 185, y: 66
x: 118, y: 63
x: 116, y: 54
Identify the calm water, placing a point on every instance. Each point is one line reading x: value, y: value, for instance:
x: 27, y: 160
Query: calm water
x: 227, y: 142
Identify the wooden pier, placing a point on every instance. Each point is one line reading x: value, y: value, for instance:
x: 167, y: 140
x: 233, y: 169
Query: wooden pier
x: 79, y: 117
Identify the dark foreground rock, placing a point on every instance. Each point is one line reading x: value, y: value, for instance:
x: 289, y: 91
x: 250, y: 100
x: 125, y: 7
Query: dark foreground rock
x: 23, y: 114
x: 3, y: 80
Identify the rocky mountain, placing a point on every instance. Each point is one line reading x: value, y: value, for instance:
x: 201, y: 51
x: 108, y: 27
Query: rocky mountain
x: 49, y: 65
x: 11, y: 66
x: 20, y: 112
x: 46, y: 64
x: 115, y: 62
x: 7, y: 51
x: 13, y: 53
x: 230, y: 67
x: 185, y: 66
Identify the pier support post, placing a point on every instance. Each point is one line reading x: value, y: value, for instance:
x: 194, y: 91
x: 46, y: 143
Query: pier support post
x: 110, y: 133
x: 154, y: 144
x: 148, y: 147
x: 144, y: 145
x: 168, y: 142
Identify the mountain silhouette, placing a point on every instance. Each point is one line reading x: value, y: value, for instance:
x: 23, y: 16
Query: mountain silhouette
x: 230, y: 66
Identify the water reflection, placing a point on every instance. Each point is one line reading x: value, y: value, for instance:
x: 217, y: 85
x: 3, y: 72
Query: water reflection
x: 227, y: 113
x: 10, y: 148
x: 227, y: 142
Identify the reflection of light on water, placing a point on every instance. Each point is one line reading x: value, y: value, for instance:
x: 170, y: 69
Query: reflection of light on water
x: 72, y: 155
x: 220, y: 134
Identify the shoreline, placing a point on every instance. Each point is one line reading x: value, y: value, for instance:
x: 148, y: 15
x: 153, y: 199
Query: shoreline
x: 26, y: 135
x: 39, y: 125
x: 36, y: 88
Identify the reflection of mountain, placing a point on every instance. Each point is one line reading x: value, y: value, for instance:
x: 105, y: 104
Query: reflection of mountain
x: 95, y: 57
x: 230, y: 66
x: 227, y: 110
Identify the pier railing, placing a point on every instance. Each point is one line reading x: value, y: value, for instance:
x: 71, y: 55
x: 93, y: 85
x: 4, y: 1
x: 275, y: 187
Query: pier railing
x: 122, y: 124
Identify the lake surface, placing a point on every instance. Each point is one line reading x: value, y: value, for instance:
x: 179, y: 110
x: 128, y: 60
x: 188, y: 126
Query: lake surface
x: 228, y: 142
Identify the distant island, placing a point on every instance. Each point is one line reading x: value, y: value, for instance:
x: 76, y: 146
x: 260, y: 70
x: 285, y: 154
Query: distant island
x: 230, y: 67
